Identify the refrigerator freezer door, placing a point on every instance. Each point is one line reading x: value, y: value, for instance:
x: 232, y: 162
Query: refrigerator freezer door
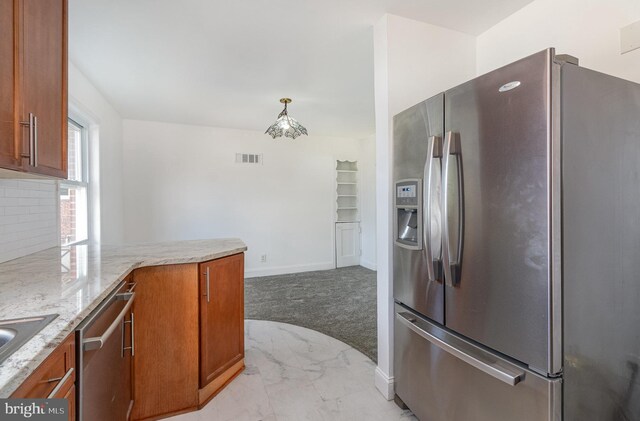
x: 444, y: 378
x: 416, y: 132
x: 498, y: 204
x: 601, y: 241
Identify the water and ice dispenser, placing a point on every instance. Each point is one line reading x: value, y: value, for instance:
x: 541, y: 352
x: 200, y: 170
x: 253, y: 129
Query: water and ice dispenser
x: 408, y: 214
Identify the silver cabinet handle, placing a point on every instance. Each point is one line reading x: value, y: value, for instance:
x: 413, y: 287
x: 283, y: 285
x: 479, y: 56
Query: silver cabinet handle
x: 433, y: 146
x: 98, y: 341
x: 132, y: 347
x: 503, y: 374
x: 35, y: 141
x: 208, y: 291
x: 32, y: 136
x: 61, y: 381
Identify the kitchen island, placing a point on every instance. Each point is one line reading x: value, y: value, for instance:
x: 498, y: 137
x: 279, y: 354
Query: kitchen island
x: 72, y: 281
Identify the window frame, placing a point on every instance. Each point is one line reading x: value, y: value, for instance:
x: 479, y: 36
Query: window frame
x: 85, y: 183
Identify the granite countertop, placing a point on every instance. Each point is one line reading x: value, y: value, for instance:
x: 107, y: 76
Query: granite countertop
x: 72, y: 281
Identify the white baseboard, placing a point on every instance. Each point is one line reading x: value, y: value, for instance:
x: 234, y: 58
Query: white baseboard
x: 282, y: 270
x: 384, y: 384
x: 367, y: 264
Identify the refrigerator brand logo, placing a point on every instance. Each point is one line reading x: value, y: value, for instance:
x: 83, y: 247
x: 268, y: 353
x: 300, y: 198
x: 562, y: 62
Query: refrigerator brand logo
x: 509, y: 86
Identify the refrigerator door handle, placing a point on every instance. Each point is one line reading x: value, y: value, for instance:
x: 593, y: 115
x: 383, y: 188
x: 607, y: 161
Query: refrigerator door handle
x: 446, y: 260
x: 451, y: 147
x: 508, y: 376
x: 433, y: 151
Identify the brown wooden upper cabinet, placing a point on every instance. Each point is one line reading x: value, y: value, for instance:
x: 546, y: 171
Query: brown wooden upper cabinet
x: 9, y: 150
x: 33, y: 86
x: 221, y: 316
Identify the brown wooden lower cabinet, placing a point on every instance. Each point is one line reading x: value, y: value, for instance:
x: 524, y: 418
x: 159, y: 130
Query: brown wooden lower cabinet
x: 181, y: 338
x: 189, y: 340
x: 56, y: 373
x: 165, y: 364
x: 221, y: 316
x: 71, y: 397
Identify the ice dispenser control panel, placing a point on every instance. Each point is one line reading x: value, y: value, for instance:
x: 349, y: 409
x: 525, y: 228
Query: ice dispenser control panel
x: 408, y: 214
x: 407, y: 193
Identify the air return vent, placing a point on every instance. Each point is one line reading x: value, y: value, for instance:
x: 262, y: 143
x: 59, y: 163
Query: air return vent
x: 248, y: 158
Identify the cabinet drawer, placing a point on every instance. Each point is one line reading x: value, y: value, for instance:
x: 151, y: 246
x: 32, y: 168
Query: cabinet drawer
x: 56, y: 373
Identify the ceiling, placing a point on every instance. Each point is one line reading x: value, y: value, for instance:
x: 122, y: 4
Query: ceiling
x: 227, y: 63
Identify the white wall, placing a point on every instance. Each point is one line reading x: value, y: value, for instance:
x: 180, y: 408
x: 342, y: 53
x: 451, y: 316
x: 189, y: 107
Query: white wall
x: 367, y: 190
x: 106, y: 161
x: 182, y: 182
x: 587, y: 29
x: 28, y: 217
x: 413, y: 61
x: 424, y: 60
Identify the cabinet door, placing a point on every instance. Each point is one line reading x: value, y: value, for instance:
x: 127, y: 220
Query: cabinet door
x: 43, y: 55
x: 221, y: 316
x: 9, y: 148
x: 165, y: 364
x: 347, y: 244
x: 71, y: 397
x: 54, y: 377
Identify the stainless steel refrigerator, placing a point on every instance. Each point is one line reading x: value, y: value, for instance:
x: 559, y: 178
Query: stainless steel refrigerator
x: 517, y: 247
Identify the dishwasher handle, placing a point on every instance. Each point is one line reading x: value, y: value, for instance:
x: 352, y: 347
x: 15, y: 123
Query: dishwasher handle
x: 97, y: 342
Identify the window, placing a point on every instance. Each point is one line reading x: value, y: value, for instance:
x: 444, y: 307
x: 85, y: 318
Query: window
x: 74, y: 211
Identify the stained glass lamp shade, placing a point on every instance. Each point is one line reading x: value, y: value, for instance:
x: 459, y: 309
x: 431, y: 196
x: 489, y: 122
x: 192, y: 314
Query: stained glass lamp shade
x: 285, y: 125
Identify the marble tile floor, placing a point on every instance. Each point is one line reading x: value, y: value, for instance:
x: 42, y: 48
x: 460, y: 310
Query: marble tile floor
x: 296, y: 374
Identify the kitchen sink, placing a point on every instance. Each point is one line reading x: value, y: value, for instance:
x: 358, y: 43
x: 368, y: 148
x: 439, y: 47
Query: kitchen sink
x: 6, y: 335
x: 16, y: 332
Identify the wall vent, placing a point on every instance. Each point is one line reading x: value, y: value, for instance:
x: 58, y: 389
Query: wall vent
x: 248, y: 158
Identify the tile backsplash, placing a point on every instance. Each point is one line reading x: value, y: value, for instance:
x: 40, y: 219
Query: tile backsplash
x: 28, y: 217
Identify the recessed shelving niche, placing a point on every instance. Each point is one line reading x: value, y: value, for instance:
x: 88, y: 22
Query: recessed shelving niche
x: 347, y: 191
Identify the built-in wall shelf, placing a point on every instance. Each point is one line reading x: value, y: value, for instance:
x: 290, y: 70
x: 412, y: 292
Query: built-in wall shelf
x: 347, y: 226
x: 347, y: 191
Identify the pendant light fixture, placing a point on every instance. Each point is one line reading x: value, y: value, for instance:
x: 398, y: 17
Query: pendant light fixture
x: 285, y: 125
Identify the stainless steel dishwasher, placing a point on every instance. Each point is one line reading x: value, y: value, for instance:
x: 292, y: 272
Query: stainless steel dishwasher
x: 104, y: 357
